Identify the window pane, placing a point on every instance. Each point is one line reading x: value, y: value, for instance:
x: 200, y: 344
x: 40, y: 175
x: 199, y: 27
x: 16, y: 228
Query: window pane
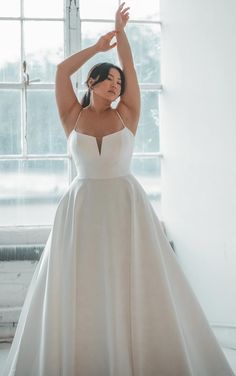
x: 148, y: 173
x: 145, y: 43
x: 90, y: 32
x: 43, y: 48
x: 10, y: 8
x: 45, y: 132
x: 44, y: 8
x: 105, y: 9
x: 144, y: 10
x: 147, y: 136
x: 10, y: 51
x: 10, y: 120
x: 30, y: 191
x: 147, y: 10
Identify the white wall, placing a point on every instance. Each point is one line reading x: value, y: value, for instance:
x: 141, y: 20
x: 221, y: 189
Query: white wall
x: 198, y: 138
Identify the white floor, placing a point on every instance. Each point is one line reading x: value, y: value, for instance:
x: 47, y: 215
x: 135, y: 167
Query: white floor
x: 4, y: 348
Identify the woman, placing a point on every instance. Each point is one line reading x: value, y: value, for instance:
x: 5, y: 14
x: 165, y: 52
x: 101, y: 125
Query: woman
x: 108, y: 297
x: 101, y: 91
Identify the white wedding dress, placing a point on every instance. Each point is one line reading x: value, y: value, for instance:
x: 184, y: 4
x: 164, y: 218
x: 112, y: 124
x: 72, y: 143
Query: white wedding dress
x: 108, y: 296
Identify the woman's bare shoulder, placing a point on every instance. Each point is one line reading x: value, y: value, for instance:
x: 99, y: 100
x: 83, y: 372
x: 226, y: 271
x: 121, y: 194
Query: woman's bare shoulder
x: 130, y: 118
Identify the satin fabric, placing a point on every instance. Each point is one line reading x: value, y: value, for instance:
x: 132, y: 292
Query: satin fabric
x: 108, y: 296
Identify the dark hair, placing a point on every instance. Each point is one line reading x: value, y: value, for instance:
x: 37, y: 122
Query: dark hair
x: 99, y: 73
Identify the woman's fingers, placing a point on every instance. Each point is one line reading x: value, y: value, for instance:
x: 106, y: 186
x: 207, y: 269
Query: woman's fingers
x: 105, y: 40
x: 121, y: 5
x: 120, y: 8
x: 111, y: 34
x: 113, y: 45
x: 124, y: 10
x: 108, y: 37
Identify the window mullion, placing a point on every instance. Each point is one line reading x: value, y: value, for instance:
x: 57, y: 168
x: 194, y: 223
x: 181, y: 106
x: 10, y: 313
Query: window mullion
x: 72, y: 45
x: 78, y: 44
x: 24, y: 145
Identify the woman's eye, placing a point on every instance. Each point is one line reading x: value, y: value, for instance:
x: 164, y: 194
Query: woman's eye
x: 110, y: 79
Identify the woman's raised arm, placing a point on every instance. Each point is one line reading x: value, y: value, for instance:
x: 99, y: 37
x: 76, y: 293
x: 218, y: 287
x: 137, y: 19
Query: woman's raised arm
x: 66, y: 98
x: 65, y: 95
x: 129, y: 103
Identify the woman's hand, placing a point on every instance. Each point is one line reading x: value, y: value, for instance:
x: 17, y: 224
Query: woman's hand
x: 103, y: 43
x: 122, y: 17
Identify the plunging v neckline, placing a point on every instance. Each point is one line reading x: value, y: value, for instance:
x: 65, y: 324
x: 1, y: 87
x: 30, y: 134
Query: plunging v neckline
x: 105, y: 136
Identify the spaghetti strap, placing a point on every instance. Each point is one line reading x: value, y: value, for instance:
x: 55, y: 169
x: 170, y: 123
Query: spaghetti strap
x: 77, y: 119
x: 115, y: 111
x: 120, y: 118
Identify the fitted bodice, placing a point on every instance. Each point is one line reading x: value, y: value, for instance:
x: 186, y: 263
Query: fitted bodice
x: 112, y: 159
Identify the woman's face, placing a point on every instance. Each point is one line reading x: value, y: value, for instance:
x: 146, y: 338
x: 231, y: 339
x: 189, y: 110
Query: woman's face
x: 110, y: 88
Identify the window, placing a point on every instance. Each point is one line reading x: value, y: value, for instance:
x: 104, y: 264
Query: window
x: 33, y: 162
x: 35, y: 166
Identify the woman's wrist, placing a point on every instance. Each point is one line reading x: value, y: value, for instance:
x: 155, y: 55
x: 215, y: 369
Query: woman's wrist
x: 119, y: 31
x: 119, y: 27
